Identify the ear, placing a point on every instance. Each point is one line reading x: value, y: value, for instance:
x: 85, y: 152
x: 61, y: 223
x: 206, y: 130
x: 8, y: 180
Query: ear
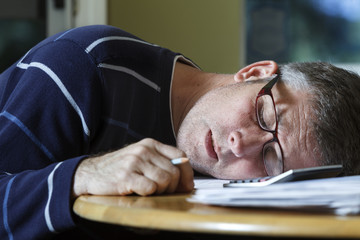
x: 257, y: 70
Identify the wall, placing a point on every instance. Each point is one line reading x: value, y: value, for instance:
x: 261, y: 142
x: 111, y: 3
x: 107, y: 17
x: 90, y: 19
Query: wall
x: 207, y: 31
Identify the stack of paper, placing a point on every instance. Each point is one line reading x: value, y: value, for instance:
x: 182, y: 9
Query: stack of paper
x: 339, y: 195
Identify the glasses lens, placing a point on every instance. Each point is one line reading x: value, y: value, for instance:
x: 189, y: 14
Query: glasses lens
x: 266, y: 114
x: 273, y: 158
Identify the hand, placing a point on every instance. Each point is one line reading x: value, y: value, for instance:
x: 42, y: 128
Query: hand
x: 143, y: 168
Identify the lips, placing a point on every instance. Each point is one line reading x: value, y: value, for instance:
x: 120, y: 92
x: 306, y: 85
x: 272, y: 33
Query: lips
x: 210, y: 146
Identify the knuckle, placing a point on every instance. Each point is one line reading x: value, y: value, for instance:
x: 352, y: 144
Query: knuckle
x: 124, y: 176
x: 149, y: 189
x: 148, y: 141
x: 142, y: 150
x: 132, y: 162
x: 124, y: 190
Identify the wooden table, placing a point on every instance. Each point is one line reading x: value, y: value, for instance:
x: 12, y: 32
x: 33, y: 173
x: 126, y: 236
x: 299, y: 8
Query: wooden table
x: 174, y: 213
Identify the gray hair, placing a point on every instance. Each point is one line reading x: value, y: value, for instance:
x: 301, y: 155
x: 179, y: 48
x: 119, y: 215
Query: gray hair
x: 335, y: 100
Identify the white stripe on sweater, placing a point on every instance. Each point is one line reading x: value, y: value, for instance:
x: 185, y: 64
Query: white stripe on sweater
x: 50, y: 191
x: 132, y: 73
x: 112, y: 38
x: 62, y: 87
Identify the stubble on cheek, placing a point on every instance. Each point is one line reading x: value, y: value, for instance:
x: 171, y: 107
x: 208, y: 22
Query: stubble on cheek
x: 190, y: 143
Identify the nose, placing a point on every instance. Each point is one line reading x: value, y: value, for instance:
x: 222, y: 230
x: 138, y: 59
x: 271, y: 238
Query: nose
x: 242, y: 144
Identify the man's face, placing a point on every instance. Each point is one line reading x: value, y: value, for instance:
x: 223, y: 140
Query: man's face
x: 222, y: 138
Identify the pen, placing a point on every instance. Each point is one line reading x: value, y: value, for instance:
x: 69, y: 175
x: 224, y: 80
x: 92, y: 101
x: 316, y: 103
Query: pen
x: 178, y: 161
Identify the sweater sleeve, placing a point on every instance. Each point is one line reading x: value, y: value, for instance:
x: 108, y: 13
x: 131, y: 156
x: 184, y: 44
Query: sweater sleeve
x: 36, y: 203
x: 49, y: 102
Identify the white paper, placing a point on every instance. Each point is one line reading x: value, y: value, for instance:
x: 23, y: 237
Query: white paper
x: 339, y: 195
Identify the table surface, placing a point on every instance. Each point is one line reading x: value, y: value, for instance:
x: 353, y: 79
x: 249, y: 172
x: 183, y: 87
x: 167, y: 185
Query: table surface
x: 174, y: 213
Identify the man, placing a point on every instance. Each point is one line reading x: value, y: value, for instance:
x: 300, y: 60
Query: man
x: 73, y: 104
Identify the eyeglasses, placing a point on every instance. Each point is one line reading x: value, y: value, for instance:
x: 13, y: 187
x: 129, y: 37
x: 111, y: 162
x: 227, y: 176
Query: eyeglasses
x: 267, y: 120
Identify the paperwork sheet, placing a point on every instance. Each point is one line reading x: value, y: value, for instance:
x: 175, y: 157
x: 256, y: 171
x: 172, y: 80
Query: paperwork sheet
x: 339, y: 195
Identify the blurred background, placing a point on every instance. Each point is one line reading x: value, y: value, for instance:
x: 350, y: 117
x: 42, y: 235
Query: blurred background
x: 219, y: 35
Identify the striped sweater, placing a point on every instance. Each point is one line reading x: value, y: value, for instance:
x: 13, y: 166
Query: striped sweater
x: 87, y: 90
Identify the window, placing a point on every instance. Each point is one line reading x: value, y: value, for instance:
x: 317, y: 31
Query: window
x: 20, y: 28
x: 303, y: 30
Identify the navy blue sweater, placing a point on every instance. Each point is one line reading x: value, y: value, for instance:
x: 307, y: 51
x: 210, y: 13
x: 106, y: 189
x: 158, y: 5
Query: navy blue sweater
x: 84, y: 91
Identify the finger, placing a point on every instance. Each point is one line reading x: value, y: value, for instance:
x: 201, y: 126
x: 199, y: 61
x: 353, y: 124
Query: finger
x: 139, y: 184
x: 167, y: 151
x: 186, y: 181
x: 136, y: 166
x: 169, y: 179
x: 159, y: 154
x: 164, y: 180
x: 171, y: 152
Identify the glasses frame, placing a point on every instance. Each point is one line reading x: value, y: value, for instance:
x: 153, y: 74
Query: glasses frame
x: 266, y: 90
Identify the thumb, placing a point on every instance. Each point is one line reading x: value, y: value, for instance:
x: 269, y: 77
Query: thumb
x: 186, y: 182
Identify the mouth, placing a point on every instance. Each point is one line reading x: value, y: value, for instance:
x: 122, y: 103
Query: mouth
x: 209, y: 145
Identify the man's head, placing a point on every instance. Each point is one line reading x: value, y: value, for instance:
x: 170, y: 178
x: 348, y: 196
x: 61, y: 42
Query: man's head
x: 336, y: 108
x: 221, y: 134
